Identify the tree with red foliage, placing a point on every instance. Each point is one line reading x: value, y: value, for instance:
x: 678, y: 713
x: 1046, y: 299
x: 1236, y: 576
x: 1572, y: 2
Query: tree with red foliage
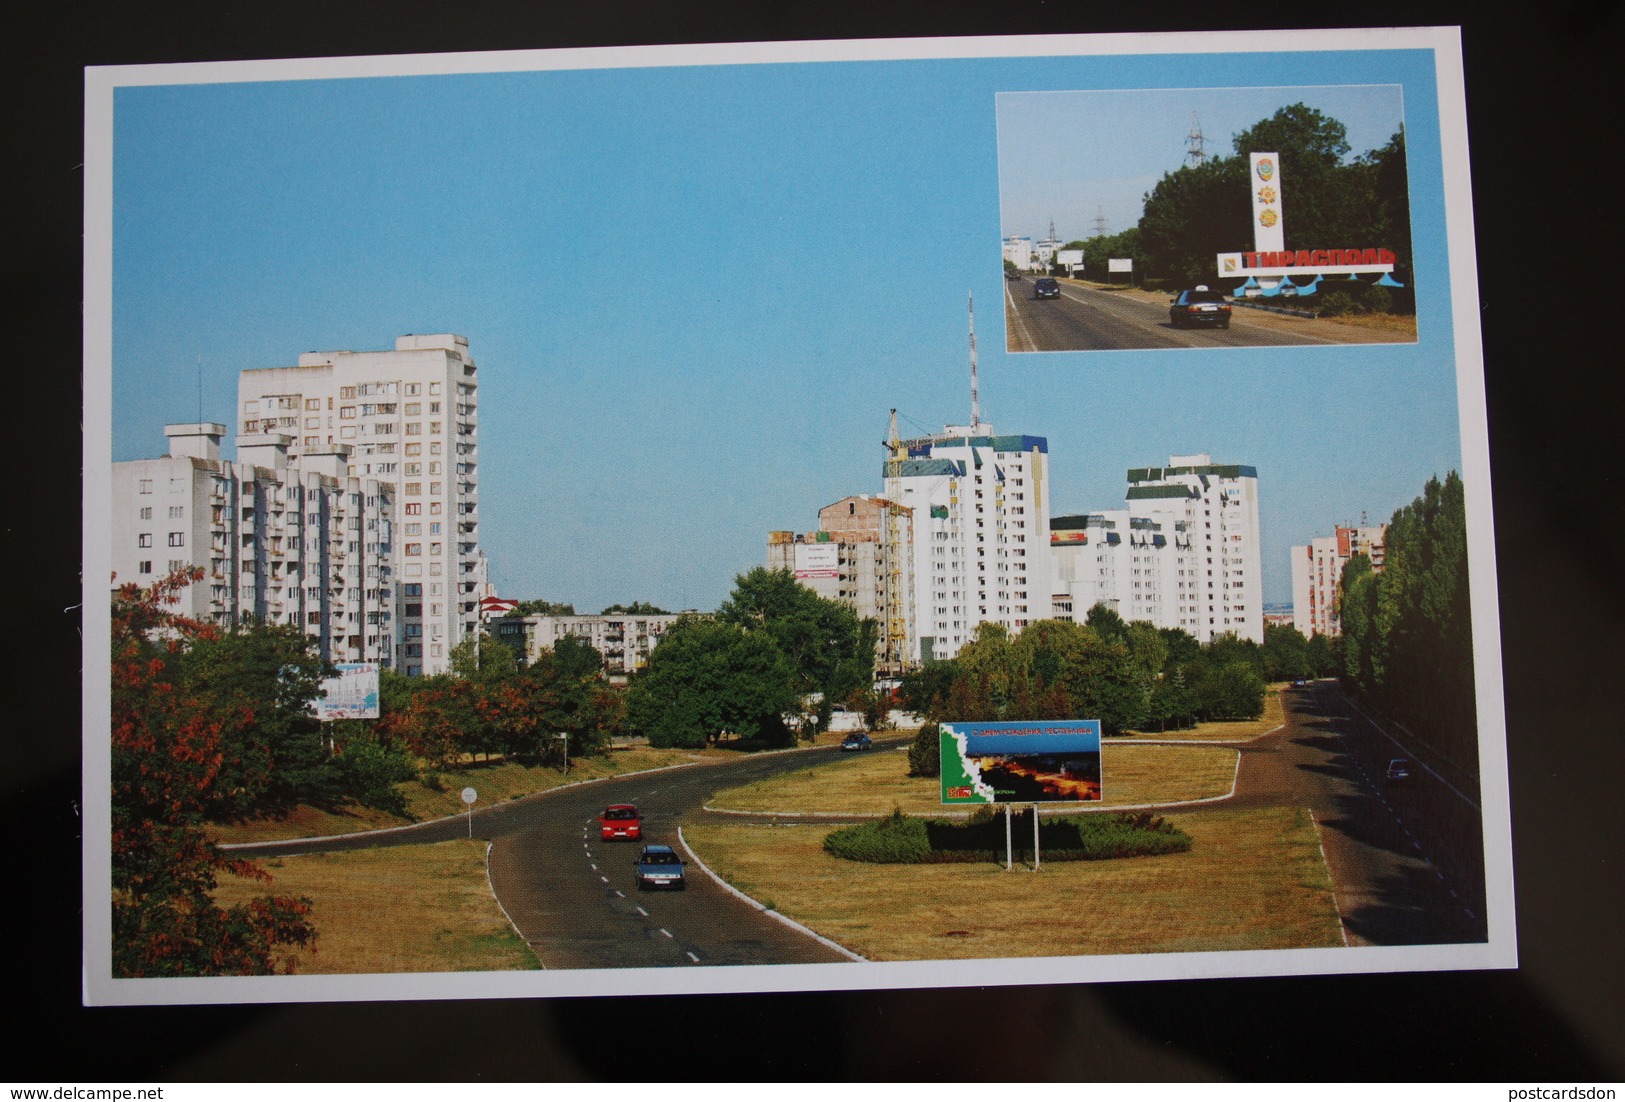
x: 168, y: 754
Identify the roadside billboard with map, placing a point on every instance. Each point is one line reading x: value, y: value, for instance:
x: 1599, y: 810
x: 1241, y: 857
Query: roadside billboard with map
x: 353, y: 694
x: 1047, y: 761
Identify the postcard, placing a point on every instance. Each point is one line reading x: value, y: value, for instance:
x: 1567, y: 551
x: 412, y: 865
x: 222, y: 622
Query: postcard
x: 787, y: 516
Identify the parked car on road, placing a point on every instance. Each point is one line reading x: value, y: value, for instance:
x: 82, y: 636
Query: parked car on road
x: 660, y: 867
x: 620, y: 821
x: 1046, y: 288
x: 1199, y: 306
x: 1400, y: 771
x: 857, y: 740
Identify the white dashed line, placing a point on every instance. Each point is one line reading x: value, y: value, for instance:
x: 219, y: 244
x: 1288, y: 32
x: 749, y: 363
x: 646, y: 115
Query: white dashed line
x: 595, y: 868
x: 620, y: 893
x: 605, y: 879
x: 665, y: 931
x: 693, y: 958
x: 643, y: 912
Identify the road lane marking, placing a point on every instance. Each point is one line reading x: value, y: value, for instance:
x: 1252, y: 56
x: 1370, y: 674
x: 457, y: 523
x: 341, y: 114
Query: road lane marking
x: 605, y: 879
x: 693, y: 958
x: 643, y: 912
x: 595, y: 868
x: 620, y: 893
x: 665, y: 931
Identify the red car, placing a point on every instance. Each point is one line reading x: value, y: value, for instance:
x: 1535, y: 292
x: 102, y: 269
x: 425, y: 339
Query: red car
x: 621, y: 821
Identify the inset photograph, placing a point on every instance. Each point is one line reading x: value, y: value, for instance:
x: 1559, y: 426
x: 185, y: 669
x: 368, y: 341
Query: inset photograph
x: 1206, y: 217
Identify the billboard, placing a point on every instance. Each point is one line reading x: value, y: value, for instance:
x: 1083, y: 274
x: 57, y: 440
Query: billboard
x: 817, y: 560
x: 1043, y: 761
x: 353, y: 694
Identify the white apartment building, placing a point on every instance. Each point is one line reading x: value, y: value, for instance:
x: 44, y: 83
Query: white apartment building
x: 1317, y: 569
x: 305, y: 544
x: 981, y: 533
x: 408, y: 416
x: 862, y: 555
x: 625, y: 640
x: 1019, y: 251
x: 1185, y: 554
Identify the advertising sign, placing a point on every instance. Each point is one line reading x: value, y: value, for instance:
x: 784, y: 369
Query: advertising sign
x: 1120, y: 264
x: 1070, y: 258
x: 1269, y: 232
x: 1044, y: 761
x: 353, y: 694
x: 817, y: 560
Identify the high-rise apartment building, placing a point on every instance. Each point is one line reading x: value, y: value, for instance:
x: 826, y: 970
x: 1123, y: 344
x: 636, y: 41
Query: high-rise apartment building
x: 408, y: 416
x: 1317, y: 570
x: 981, y: 532
x: 306, y: 544
x: 1184, y: 554
x: 862, y: 552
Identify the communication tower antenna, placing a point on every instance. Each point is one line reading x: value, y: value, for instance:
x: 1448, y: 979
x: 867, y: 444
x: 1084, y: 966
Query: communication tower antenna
x: 975, y: 400
x: 1100, y: 221
x: 1195, y: 155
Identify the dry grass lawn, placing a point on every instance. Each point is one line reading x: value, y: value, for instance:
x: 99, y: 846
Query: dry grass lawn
x: 1254, y: 879
x: 876, y: 782
x: 399, y: 909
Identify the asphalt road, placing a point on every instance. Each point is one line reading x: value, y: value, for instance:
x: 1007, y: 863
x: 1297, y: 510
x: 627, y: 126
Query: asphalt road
x: 1086, y: 319
x: 574, y: 898
x: 1406, y: 861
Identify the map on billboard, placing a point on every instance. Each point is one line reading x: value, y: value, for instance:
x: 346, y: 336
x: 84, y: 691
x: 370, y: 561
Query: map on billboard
x: 353, y: 694
x: 1045, y: 761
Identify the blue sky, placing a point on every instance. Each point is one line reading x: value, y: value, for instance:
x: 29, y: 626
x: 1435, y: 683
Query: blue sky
x: 1064, y: 158
x: 694, y: 293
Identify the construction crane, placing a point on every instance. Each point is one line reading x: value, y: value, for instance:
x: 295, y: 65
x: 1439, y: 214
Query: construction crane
x: 894, y: 650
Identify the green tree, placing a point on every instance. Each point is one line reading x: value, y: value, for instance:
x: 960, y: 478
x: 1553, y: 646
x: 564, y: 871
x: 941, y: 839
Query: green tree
x: 636, y: 608
x: 709, y: 678
x: 278, y: 758
x: 168, y: 746
x: 542, y: 607
x: 829, y: 649
x: 1285, y: 652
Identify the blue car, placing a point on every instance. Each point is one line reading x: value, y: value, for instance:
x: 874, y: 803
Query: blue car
x: 660, y: 867
x: 857, y: 741
x: 1046, y: 288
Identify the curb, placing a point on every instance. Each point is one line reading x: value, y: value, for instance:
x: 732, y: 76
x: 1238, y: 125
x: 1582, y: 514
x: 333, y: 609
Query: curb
x: 790, y: 922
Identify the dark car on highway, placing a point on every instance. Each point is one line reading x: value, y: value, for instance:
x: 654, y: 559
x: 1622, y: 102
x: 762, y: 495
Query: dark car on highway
x: 857, y: 740
x: 660, y: 867
x: 1400, y: 771
x: 1199, y: 306
x: 1046, y: 288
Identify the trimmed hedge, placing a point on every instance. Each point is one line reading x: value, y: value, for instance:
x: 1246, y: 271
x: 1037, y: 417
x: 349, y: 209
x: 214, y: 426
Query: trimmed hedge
x: 900, y: 839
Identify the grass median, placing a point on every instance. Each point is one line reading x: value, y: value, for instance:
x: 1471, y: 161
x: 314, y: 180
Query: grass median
x: 399, y: 909
x: 1239, y: 730
x: 1253, y: 879
x: 876, y: 782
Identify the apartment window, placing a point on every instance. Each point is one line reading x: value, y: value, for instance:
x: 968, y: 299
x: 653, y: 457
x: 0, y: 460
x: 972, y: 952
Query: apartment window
x: 413, y: 508
x: 414, y: 388
x: 144, y: 539
x: 146, y: 512
x: 414, y: 428
x: 414, y: 487
x: 434, y: 388
x: 146, y: 566
x: 414, y: 549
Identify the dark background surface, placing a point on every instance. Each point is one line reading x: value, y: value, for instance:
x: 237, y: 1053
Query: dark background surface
x: 1544, y: 133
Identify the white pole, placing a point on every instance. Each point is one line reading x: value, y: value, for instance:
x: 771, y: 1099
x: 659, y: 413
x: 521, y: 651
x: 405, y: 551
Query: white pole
x: 1009, y: 848
x: 1035, y: 837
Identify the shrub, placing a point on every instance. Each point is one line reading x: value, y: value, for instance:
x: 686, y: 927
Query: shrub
x: 1335, y: 304
x: 894, y: 840
x: 899, y: 839
x: 371, y: 770
x: 924, y: 753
